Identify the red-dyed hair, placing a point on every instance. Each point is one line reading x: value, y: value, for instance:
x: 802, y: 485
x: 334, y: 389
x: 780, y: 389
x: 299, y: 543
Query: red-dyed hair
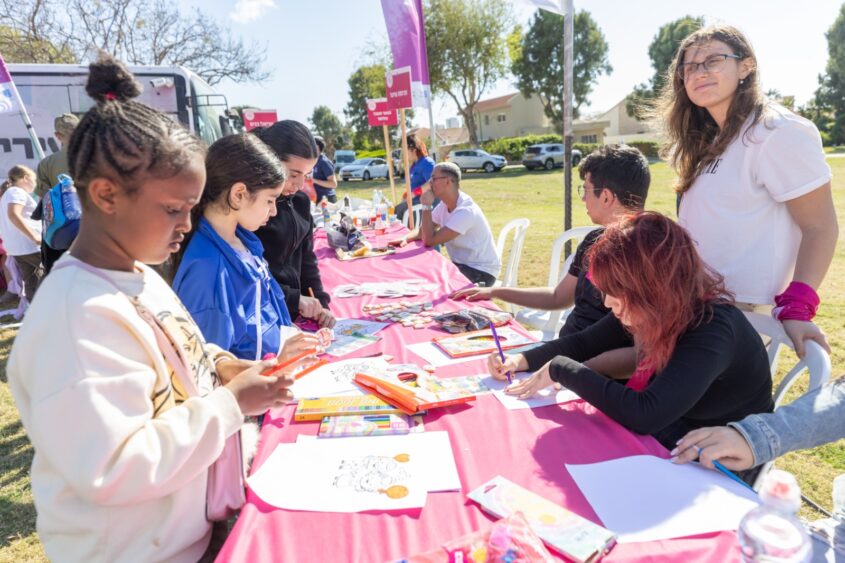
x: 649, y: 262
x: 419, y: 144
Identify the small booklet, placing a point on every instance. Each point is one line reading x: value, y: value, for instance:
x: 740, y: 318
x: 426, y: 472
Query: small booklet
x: 410, y: 399
x: 317, y: 408
x: 575, y: 537
x: 368, y: 425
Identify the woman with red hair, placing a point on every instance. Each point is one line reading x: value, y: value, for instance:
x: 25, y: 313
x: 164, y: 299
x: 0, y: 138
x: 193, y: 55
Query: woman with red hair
x: 700, y: 362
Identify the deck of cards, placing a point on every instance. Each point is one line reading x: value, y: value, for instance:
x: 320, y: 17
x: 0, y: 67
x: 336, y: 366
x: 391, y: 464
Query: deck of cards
x: 417, y: 315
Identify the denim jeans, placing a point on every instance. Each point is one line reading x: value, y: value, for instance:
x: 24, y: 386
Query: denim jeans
x: 812, y: 419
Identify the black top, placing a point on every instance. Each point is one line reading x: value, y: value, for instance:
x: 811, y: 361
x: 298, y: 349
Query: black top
x: 719, y: 373
x: 589, y: 306
x: 288, y: 240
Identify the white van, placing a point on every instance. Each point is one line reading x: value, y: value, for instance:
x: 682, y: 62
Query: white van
x: 49, y: 90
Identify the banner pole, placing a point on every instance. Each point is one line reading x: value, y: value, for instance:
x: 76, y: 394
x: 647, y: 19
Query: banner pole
x: 408, y: 197
x: 389, y: 162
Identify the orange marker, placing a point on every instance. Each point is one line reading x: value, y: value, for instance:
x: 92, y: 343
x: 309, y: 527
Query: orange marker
x: 283, y: 365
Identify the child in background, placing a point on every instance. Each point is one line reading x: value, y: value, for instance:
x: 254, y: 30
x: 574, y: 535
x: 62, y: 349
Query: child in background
x: 126, y: 412
x: 222, y: 277
x: 21, y: 235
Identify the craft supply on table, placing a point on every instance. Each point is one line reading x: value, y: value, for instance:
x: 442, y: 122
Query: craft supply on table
x: 410, y: 399
x: 316, y: 408
x: 480, y: 342
x: 409, y: 314
x: 562, y: 530
x: 397, y: 288
x: 548, y: 396
x: 475, y: 318
x: 646, y: 498
x: 369, y: 425
x: 335, y: 378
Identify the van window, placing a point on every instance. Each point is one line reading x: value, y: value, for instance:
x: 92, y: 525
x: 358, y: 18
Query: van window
x: 208, y: 107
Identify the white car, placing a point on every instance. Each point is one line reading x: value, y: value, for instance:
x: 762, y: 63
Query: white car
x: 365, y: 169
x: 477, y: 159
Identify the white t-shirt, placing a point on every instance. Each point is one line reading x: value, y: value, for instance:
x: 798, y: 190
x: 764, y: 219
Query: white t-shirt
x: 14, y: 241
x: 474, y: 247
x: 121, y: 449
x: 736, y: 208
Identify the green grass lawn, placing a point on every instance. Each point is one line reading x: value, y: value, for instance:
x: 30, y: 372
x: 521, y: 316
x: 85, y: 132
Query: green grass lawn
x: 503, y: 196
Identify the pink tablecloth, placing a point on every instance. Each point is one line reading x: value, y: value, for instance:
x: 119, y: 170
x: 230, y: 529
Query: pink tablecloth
x: 529, y: 447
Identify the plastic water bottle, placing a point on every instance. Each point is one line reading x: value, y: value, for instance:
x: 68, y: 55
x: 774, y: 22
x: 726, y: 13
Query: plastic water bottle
x: 375, y: 199
x: 772, y: 532
x: 839, y: 498
x: 327, y: 217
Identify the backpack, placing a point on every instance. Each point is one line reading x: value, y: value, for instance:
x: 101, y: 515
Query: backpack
x: 60, y: 214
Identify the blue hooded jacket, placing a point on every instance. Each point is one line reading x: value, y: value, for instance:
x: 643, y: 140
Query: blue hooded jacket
x: 219, y: 288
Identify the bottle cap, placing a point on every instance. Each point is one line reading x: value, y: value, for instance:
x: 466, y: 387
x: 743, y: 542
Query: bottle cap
x: 780, y: 490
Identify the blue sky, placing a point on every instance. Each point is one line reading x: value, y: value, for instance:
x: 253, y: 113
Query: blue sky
x: 314, y: 45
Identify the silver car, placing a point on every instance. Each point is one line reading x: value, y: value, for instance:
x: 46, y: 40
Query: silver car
x: 365, y: 169
x: 547, y: 156
x: 477, y: 159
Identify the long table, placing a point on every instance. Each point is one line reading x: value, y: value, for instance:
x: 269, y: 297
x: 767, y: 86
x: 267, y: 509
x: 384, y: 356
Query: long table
x: 528, y: 447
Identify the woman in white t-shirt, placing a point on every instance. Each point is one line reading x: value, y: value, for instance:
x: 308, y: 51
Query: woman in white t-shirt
x: 754, y: 187
x: 21, y: 235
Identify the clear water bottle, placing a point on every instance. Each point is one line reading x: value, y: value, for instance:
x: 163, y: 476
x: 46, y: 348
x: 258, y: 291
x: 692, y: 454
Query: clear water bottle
x: 839, y: 498
x: 772, y: 532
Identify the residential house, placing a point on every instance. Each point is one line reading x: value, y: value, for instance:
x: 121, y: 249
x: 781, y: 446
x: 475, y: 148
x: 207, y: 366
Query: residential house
x: 622, y: 127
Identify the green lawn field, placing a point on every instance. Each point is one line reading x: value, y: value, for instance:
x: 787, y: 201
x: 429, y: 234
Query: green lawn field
x: 503, y: 196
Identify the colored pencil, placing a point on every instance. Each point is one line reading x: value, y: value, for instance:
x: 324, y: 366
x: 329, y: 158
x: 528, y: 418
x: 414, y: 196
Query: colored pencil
x: 499, y: 347
x: 311, y: 292
x: 729, y: 473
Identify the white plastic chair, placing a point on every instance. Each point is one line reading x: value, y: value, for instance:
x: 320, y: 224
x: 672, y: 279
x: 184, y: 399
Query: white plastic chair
x: 417, y: 210
x: 549, y: 322
x: 510, y: 272
x: 816, y: 362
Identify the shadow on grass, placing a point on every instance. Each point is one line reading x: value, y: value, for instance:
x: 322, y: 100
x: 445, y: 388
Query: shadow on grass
x: 17, y: 513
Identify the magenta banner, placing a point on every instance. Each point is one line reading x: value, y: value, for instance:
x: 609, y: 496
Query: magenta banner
x: 406, y: 30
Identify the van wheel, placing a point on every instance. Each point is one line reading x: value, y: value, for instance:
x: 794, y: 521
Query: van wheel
x: 488, y: 167
x: 549, y: 164
x: 575, y: 160
x: 366, y: 175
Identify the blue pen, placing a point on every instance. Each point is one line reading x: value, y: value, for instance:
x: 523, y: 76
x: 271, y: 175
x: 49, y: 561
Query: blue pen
x: 499, y: 347
x: 729, y: 473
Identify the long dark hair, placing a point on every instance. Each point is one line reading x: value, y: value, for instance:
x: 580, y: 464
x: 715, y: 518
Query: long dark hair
x: 289, y: 138
x: 232, y: 159
x: 693, y: 137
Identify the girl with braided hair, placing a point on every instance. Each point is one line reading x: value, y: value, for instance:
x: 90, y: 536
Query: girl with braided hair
x: 130, y: 406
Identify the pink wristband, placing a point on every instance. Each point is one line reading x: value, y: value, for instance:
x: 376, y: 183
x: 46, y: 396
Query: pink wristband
x: 799, y: 302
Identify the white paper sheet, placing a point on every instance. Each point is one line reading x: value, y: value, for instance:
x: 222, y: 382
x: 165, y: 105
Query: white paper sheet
x: 335, y: 378
x: 546, y: 397
x: 645, y: 498
x: 312, y: 477
x: 437, y: 460
x: 436, y: 357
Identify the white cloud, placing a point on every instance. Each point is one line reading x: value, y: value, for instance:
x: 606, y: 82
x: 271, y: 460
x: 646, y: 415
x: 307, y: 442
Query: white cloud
x: 250, y: 10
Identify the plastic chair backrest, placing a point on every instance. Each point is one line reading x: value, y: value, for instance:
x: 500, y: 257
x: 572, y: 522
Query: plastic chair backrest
x: 816, y: 362
x: 510, y: 272
x: 417, y: 211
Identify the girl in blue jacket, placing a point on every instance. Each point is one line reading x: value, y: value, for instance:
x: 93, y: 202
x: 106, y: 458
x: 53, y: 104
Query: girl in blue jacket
x: 222, y: 277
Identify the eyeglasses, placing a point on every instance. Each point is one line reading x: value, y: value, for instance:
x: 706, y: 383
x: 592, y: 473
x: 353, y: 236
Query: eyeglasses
x: 713, y: 63
x: 433, y: 178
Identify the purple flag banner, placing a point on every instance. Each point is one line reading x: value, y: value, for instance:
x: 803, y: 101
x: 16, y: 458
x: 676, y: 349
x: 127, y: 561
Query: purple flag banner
x: 406, y: 30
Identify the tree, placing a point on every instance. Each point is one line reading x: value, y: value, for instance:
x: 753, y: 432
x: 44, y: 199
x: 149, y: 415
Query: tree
x: 366, y: 82
x: 467, y: 51
x: 327, y: 125
x: 661, y: 51
x: 537, y: 61
x: 135, y: 31
x: 831, y: 92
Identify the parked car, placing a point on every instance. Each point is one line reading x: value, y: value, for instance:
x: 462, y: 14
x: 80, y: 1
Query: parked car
x: 365, y: 169
x: 477, y: 159
x: 547, y: 156
x: 342, y: 158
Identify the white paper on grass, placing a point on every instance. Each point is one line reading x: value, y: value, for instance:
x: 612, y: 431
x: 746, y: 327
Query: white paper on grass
x: 311, y: 477
x: 432, y: 448
x: 546, y: 397
x: 436, y: 357
x: 645, y: 498
x: 335, y: 378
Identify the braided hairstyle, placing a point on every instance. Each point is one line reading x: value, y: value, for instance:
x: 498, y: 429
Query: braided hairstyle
x: 123, y: 140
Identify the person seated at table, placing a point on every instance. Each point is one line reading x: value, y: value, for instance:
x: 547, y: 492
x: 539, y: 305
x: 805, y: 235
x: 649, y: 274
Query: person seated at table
x: 222, y: 277
x: 701, y: 362
x: 458, y: 223
x: 616, y: 180
x: 809, y: 421
x: 422, y: 167
x: 288, y: 237
x: 126, y: 424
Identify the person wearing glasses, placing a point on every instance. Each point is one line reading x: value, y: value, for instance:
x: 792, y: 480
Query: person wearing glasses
x: 754, y: 188
x: 458, y: 223
x: 422, y: 167
x: 616, y: 180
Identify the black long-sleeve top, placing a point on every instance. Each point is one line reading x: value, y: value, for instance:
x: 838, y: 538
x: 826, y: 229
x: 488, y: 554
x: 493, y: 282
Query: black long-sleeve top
x: 718, y: 373
x: 288, y: 240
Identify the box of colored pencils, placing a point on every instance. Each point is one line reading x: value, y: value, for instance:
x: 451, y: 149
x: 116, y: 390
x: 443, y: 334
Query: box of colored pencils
x: 317, y: 408
x: 365, y: 425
